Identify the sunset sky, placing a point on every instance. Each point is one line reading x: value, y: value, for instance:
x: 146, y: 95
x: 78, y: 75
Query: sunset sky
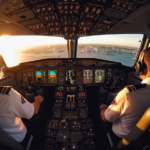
x: 124, y: 40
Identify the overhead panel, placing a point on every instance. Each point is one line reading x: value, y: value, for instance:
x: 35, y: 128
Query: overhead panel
x: 69, y: 30
x: 124, y: 5
x: 54, y: 28
x: 103, y: 24
x: 47, y: 32
x: 84, y: 27
x: 47, y: 17
x: 43, y: 8
x: 69, y: 24
x: 69, y: 18
x: 34, y: 27
x: 45, y: 11
x: 53, y: 25
x: 89, y: 16
x: 69, y: 14
x: 11, y: 5
x: 91, y: 11
x: 68, y: 8
x: 21, y: 14
x: 43, y: 32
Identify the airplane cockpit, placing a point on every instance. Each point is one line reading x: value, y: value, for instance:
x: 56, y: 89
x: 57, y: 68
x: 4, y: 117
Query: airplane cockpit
x: 77, y: 54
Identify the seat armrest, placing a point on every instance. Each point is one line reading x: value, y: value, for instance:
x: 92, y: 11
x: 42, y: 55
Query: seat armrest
x: 140, y: 128
x: 7, y: 140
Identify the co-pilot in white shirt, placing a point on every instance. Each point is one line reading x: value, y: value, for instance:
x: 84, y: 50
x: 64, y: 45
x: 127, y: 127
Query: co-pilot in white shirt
x: 13, y: 107
x: 128, y: 109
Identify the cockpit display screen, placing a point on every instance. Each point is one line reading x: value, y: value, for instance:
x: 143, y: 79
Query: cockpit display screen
x: 40, y: 75
x: 70, y: 76
x: 88, y: 76
x: 99, y: 75
x: 52, y: 76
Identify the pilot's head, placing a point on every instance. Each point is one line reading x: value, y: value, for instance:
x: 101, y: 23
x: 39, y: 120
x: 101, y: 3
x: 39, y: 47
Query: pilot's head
x: 143, y: 64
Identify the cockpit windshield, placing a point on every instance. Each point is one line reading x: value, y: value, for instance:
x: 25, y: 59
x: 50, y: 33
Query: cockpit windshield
x: 119, y: 48
x: 18, y: 49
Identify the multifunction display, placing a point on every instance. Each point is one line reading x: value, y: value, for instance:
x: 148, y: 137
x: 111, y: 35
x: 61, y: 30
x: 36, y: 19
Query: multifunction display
x: 99, y: 75
x: 70, y: 76
x: 40, y: 75
x: 87, y: 76
x: 52, y: 76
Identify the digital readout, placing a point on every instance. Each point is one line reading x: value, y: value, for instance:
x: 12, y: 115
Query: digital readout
x: 70, y: 76
x: 99, y: 75
x: 52, y: 76
x: 87, y: 76
x: 40, y: 75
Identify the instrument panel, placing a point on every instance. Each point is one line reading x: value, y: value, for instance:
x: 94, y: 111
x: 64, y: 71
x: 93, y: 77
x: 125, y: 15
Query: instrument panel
x: 65, y: 75
x: 76, y: 62
x: 93, y: 73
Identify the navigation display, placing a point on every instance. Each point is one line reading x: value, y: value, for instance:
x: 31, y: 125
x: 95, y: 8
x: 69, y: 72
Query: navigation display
x: 70, y: 76
x: 99, y: 75
x: 52, y: 76
x: 40, y: 75
x: 88, y: 76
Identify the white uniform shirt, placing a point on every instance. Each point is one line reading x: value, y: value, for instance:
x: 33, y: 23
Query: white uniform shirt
x: 128, y: 109
x: 13, y: 107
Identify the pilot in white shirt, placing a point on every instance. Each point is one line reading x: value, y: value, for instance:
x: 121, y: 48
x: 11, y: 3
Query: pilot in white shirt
x: 130, y: 103
x: 13, y: 107
x: 128, y: 108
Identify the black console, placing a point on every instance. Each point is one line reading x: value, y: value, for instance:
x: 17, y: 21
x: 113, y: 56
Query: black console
x: 70, y: 127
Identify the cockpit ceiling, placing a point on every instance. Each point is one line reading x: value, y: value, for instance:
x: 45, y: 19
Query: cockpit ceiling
x: 70, y: 18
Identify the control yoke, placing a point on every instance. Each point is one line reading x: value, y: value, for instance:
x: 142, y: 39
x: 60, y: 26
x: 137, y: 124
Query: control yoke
x: 112, y: 84
x: 31, y: 87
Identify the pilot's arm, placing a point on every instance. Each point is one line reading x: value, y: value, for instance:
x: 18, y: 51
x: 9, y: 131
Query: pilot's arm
x: 21, y: 108
x: 115, y: 109
x: 38, y: 100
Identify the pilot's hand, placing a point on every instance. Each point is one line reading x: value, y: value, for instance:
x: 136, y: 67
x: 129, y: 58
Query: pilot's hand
x: 103, y: 106
x: 39, y: 98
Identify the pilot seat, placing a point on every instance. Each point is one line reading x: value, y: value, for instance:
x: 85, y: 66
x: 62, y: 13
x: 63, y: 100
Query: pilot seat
x: 138, y: 136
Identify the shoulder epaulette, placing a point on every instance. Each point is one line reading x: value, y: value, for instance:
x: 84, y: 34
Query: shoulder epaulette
x: 132, y: 88
x: 5, y: 89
